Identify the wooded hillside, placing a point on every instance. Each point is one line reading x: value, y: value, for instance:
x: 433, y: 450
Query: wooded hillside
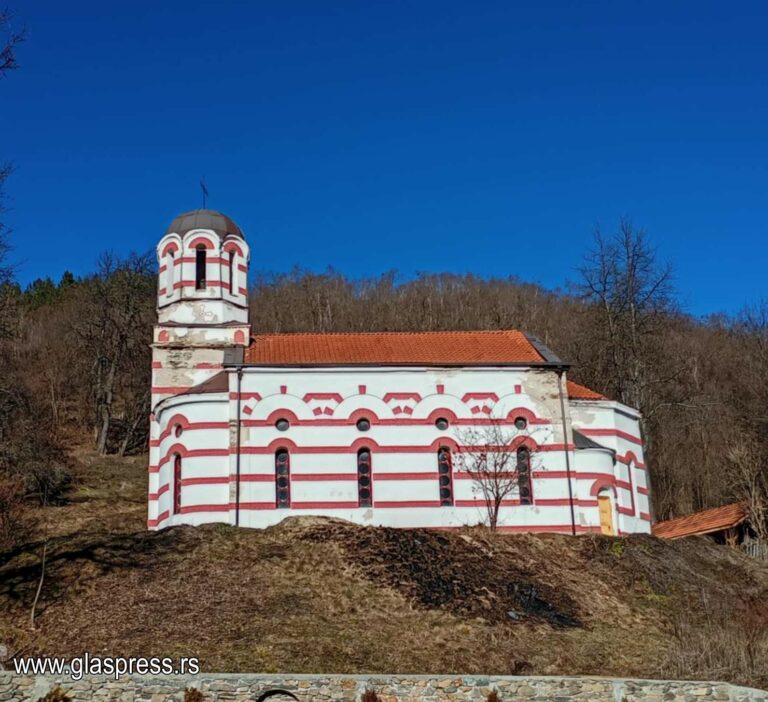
x: 76, y: 358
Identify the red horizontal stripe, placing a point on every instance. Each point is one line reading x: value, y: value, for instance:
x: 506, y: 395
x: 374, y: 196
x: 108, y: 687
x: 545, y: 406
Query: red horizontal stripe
x: 407, y: 503
x: 189, y: 509
x: 383, y: 421
x: 194, y: 453
x: 321, y: 477
x: 254, y: 478
x: 612, y: 432
x: 325, y: 505
x: 161, y: 518
x: 154, y: 496
x: 205, y: 481
x: 192, y: 426
x: 255, y: 505
x: 407, y: 476
x: 377, y: 449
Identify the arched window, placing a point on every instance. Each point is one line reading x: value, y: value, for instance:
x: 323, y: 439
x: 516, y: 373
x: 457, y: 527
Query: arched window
x: 282, y: 479
x: 177, y: 484
x: 232, y: 273
x: 169, y: 274
x: 200, y: 268
x: 364, y: 486
x: 445, y: 476
x: 524, y: 476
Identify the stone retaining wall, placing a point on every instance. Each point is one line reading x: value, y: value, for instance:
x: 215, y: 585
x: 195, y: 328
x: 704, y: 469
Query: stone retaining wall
x: 390, y: 688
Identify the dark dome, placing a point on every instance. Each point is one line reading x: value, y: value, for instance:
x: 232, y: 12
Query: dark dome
x: 204, y: 219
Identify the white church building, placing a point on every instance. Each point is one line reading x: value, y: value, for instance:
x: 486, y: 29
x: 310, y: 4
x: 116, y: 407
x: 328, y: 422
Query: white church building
x: 368, y: 427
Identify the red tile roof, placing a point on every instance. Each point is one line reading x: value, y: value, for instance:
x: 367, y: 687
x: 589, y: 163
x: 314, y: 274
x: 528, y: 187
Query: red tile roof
x: 394, y: 348
x: 704, y: 522
x: 451, y: 348
x: 581, y: 392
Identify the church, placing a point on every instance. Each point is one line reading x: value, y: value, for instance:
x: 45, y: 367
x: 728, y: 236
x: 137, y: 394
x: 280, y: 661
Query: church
x: 248, y: 429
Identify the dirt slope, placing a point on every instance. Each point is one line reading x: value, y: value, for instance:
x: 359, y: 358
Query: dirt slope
x: 321, y: 595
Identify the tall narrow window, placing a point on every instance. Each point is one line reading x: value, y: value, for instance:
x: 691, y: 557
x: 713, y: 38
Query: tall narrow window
x: 169, y: 274
x: 282, y: 479
x: 232, y: 290
x: 200, y: 268
x: 445, y: 477
x: 524, y: 476
x: 364, y: 491
x: 177, y: 484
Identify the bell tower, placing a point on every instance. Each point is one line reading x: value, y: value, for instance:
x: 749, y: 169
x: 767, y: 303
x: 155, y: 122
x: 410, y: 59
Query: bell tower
x: 202, y: 301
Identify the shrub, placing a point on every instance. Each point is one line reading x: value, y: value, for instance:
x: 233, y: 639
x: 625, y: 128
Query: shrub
x: 729, y: 641
x: 192, y: 694
x: 493, y: 696
x: 56, y: 695
x: 13, y: 517
x: 370, y: 696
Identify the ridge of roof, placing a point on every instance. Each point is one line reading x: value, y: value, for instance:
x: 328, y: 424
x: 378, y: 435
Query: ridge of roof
x: 392, y: 348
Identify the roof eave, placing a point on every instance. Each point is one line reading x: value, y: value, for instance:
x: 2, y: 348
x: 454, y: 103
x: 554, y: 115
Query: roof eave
x: 405, y: 364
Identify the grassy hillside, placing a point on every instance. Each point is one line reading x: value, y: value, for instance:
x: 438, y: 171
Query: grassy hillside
x: 321, y: 595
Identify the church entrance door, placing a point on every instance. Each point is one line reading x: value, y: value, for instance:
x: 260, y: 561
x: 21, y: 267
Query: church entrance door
x: 606, y: 515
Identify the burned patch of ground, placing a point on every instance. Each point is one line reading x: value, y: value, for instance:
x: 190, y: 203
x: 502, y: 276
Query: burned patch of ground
x: 465, y: 575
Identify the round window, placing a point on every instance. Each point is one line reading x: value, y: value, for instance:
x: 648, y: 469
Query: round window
x: 363, y: 425
x: 521, y: 422
x: 282, y: 424
x: 442, y: 423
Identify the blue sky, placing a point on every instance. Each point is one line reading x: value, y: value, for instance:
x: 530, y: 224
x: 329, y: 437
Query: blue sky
x: 484, y: 137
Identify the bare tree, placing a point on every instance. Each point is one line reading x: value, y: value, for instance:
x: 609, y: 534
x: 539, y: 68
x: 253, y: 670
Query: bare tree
x: 497, y: 467
x: 117, y: 308
x: 632, y: 297
x: 12, y: 38
x: 750, y: 479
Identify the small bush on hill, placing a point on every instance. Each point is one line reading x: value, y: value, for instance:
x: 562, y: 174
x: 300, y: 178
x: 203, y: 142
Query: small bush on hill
x: 192, y: 694
x: 56, y: 695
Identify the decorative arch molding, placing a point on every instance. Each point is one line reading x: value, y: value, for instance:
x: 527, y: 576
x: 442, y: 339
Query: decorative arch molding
x: 264, y: 408
x: 201, y: 241
x: 176, y: 449
x: 447, y: 441
x: 630, y: 457
x: 232, y: 245
x: 282, y: 443
x: 374, y: 406
x: 441, y: 412
x: 524, y: 441
x: 443, y: 403
x: 282, y: 414
x: 171, y: 245
x: 517, y: 411
x: 364, y: 442
x: 513, y: 401
x: 607, y: 483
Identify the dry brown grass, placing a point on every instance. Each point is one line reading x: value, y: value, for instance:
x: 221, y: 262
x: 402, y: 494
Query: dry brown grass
x: 316, y: 595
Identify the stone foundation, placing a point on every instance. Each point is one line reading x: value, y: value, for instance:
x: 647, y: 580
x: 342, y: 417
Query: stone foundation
x: 389, y: 688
